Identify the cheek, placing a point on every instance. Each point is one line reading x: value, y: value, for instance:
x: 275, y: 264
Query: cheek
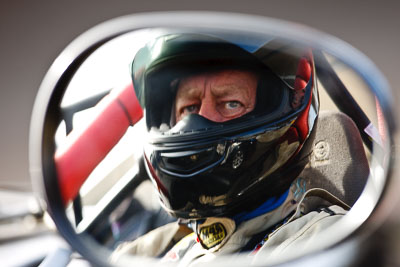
x: 248, y: 84
x: 178, y: 114
x: 252, y: 101
x: 253, y: 92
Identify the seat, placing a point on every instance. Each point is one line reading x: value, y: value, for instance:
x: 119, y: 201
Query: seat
x: 338, y: 162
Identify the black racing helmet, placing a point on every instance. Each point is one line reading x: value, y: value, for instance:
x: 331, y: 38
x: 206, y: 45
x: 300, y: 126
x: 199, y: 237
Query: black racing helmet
x: 203, y: 168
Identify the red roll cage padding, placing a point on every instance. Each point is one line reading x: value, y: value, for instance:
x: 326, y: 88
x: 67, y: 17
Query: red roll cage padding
x: 85, y: 148
x: 304, y: 71
x: 381, y: 121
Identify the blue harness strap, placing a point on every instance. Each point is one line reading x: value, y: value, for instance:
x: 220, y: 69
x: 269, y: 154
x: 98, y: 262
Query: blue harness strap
x: 267, y: 206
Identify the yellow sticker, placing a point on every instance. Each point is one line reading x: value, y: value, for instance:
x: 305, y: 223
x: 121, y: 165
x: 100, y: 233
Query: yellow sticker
x: 212, y: 235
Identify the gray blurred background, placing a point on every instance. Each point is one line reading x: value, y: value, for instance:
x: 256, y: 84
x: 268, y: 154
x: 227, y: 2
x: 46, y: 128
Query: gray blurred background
x: 33, y: 33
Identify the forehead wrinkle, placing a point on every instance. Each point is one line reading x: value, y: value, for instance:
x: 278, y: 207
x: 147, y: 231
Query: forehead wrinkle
x: 224, y: 83
x: 190, y: 87
x: 236, y: 86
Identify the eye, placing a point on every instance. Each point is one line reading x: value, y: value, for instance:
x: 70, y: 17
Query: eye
x: 190, y: 109
x: 186, y: 108
x: 233, y: 105
x: 231, y: 109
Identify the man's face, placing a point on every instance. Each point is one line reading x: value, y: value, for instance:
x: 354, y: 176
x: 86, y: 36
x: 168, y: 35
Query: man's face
x: 218, y: 96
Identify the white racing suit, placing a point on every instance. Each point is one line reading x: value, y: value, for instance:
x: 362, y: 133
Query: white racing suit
x: 302, y: 215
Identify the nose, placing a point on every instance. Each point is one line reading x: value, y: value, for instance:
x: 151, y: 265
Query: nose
x: 208, y: 109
